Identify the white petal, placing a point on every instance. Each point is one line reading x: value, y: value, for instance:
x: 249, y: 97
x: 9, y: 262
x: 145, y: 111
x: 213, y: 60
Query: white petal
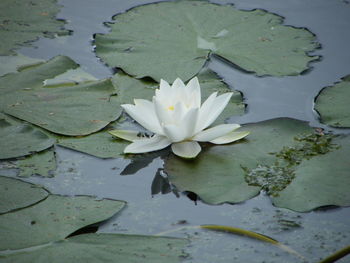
x: 204, y: 112
x: 148, y: 145
x: 230, y: 137
x: 178, y: 84
x: 164, y: 91
x: 186, y: 149
x: 189, y: 121
x: 163, y: 115
x: 174, y: 133
x: 215, y: 132
x: 195, y: 91
x: 125, y: 134
x: 217, y: 107
x: 144, y: 115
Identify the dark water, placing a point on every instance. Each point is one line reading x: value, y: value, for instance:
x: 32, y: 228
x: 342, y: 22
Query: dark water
x: 314, y: 235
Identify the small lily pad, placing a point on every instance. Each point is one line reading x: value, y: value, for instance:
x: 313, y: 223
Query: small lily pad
x: 25, y: 21
x: 333, y: 104
x: 141, y: 44
x: 15, y: 194
x: 99, y: 248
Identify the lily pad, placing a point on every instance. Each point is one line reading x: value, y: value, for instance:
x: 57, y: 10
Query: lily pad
x: 175, y: 39
x: 333, y: 104
x: 100, y: 144
x: 69, y: 110
x: 15, y: 194
x: 53, y: 219
x: 26, y: 20
x: 18, y: 139
x: 321, y: 181
x: 43, y: 164
x: 217, y: 174
x: 100, y: 248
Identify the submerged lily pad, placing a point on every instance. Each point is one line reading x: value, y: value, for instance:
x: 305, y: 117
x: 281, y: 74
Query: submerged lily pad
x: 23, y: 21
x: 217, y: 175
x: 69, y: 110
x: 53, y: 219
x: 175, y: 39
x: 320, y: 181
x: 18, y: 139
x: 333, y: 104
x: 99, y: 248
x: 15, y: 194
x: 43, y: 164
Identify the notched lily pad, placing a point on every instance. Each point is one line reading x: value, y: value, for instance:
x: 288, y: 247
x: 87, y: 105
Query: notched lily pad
x: 69, y: 110
x: 24, y: 21
x: 140, y: 43
x: 333, y: 104
x: 15, y: 194
x: 285, y: 157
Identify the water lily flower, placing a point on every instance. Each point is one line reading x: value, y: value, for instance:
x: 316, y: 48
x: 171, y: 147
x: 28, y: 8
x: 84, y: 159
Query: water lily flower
x: 176, y: 117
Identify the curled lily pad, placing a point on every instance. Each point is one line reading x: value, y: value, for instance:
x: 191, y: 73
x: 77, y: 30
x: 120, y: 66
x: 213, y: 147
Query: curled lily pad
x: 175, y: 39
x: 18, y: 139
x: 15, y: 194
x: 24, y: 21
x: 333, y: 104
x: 69, y: 110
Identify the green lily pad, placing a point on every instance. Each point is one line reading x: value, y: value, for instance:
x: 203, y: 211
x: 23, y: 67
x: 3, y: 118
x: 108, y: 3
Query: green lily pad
x: 217, y: 174
x: 100, y: 144
x: 141, y: 44
x: 10, y: 64
x: 15, y: 194
x: 53, y: 219
x: 43, y: 164
x: 69, y: 110
x: 18, y: 139
x: 320, y: 181
x: 299, y: 168
x: 100, y: 248
x: 333, y: 104
x: 25, y: 21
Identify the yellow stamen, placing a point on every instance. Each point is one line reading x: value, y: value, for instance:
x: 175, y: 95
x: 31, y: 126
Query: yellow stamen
x: 171, y: 108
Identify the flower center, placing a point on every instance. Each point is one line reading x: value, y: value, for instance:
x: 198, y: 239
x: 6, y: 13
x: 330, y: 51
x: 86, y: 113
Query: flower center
x: 170, y: 107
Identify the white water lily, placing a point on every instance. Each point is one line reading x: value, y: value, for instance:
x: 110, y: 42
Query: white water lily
x: 176, y: 117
